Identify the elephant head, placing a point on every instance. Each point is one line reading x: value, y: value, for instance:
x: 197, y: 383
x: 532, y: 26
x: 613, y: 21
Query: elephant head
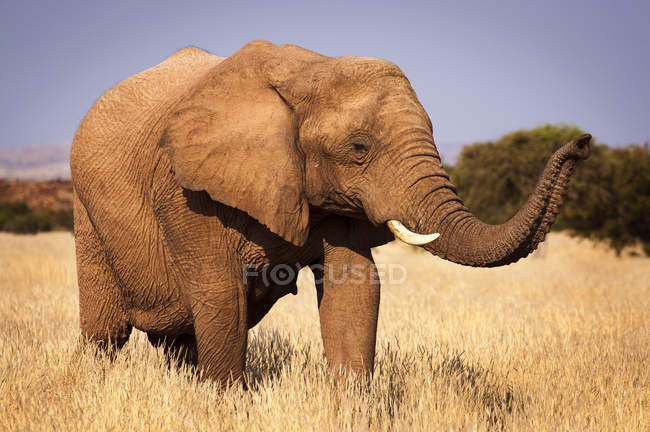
x: 275, y: 130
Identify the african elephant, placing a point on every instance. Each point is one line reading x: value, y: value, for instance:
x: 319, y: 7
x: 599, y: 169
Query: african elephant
x: 193, y: 172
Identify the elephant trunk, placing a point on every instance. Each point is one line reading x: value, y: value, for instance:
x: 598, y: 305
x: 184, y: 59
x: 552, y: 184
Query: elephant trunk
x: 466, y: 240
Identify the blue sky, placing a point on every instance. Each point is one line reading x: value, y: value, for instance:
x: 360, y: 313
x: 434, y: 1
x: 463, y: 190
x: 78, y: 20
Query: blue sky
x: 479, y: 69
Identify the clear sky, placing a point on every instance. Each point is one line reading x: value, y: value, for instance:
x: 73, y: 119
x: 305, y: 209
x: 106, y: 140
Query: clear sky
x: 479, y: 69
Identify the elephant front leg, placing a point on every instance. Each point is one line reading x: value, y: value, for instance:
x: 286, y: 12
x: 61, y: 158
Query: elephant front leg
x: 220, y: 326
x: 348, y: 304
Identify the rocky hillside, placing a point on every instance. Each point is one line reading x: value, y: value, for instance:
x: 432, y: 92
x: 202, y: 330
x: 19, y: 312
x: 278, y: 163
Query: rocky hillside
x: 40, y: 196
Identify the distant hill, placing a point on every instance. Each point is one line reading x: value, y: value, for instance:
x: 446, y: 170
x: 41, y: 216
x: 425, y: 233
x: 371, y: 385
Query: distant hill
x: 35, y: 162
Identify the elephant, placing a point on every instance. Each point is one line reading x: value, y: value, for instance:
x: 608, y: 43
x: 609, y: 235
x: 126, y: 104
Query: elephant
x: 197, y: 178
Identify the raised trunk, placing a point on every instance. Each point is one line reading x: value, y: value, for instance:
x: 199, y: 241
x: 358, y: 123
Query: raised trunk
x: 466, y: 240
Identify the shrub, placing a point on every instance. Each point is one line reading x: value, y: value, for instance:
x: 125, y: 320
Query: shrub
x: 17, y: 217
x: 610, y: 199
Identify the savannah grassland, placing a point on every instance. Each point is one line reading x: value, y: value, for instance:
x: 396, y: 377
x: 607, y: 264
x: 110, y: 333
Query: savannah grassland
x: 560, y: 342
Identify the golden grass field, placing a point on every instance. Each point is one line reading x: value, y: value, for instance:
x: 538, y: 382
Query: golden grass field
x: 560, y: 342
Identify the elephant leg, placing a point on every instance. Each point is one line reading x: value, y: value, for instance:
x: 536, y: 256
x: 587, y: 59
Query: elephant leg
x: 180, y: 347
x: 102, y: 314
x: 221, y: 329
x: 348, y: 305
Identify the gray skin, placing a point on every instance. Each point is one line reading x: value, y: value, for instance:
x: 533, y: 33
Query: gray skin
x: 198, y: 168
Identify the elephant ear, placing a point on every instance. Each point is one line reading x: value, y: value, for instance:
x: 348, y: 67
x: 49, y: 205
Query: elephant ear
x: 234, y: 136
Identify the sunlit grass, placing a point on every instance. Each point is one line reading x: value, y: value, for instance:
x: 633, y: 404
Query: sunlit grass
x: 560, y: 342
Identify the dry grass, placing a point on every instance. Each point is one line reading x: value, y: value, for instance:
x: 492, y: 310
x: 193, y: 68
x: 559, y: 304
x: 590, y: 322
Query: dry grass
x: 560, y: 342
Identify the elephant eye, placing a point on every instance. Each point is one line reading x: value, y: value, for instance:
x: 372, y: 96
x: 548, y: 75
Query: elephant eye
x: 360, y: 150
x: 359, y: 147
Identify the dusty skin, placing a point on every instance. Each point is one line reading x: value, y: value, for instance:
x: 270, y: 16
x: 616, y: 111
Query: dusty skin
x: 201, y: 166
x: 554, y: 343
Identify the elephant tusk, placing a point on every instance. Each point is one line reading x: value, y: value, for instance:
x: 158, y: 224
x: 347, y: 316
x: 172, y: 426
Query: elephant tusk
x: 409, y: 237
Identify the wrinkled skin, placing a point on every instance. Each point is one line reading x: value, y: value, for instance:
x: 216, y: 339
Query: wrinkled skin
x: 191, y: 172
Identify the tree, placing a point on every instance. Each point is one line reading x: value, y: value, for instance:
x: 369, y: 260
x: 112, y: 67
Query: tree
x: 610, y: 199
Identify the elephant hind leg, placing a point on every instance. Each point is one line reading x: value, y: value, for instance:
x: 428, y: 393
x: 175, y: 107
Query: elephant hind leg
x: 102, y: 314
x: 181, y: 348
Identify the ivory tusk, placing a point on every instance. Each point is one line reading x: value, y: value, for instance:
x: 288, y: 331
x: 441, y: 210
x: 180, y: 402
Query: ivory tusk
x: 409, y: 237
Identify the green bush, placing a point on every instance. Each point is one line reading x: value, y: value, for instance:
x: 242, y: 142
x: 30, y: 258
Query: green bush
x: 608, y: 197
x: 62, y: 220
x: 19, y: 218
